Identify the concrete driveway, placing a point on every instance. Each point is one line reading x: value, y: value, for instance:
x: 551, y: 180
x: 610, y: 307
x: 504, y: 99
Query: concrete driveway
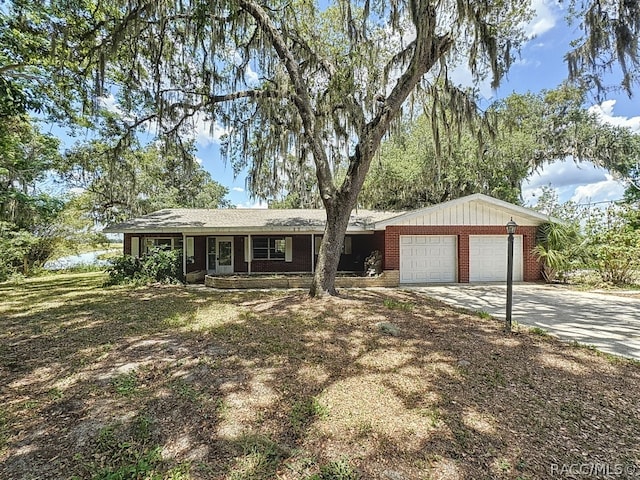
x: 609, y: 322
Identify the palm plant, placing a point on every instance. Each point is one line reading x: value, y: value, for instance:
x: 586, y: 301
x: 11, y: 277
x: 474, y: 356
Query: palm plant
x: 557, y: 247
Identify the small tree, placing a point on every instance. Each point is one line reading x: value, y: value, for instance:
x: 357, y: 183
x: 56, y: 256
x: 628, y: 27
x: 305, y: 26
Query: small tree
x: 613, y: 245
x: 558, y: 249
x: 559, y: 242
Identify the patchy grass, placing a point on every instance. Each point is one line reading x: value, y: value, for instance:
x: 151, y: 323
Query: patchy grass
x: 182, y: 383
x: 539, y: 331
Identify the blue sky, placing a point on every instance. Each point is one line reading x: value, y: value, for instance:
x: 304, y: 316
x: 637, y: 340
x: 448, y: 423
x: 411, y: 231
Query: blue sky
x: 540, y: 66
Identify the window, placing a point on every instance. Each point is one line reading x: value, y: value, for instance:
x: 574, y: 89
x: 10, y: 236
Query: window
x: 269, y: 248
x: 163, y: 243
x: 347, y: 249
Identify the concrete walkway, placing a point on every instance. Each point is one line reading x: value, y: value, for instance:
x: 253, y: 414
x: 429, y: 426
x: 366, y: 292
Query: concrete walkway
x: 609, y: 322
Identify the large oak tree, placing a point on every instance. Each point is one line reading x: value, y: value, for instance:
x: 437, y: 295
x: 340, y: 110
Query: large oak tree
x: 291, y: 79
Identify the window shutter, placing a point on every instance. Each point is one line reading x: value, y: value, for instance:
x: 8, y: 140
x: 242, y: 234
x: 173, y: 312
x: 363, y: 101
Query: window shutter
x: 135, y: 247
x: 317, y: 242
x: 288, y: 249
x: 247, y: 249
x: 347, y: 246
x: 190, y: 248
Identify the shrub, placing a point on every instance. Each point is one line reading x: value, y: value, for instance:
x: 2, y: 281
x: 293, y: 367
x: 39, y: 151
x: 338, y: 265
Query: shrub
x: 163, y: 266
x: 613, y: 245
x: 158, y: 265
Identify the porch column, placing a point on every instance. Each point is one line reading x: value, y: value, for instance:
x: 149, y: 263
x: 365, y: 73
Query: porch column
x: 184, y: 256
x: 313, y: 253
x: 249, y: 254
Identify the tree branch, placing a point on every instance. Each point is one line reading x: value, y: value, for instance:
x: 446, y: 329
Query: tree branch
x: 301, y: 98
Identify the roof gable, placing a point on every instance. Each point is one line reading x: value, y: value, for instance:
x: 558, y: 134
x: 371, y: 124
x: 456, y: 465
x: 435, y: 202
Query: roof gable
x: 476, y: 209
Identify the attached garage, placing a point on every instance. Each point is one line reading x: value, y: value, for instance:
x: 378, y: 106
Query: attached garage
x: 462, y: 240
x: 428, y: 258
x: 488, y: 258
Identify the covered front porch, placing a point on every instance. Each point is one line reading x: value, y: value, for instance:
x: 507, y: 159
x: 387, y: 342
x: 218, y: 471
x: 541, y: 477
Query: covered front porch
x: 220, y: 256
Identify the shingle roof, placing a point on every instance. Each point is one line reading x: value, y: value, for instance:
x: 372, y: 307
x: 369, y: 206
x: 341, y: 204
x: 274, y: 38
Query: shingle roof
x: 178, y: 220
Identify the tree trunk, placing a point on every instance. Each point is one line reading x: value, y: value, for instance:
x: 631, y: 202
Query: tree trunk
x: 324, y: 279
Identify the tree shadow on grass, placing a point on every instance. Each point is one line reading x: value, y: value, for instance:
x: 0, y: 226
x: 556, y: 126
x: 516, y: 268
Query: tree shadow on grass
x: 263, y: 385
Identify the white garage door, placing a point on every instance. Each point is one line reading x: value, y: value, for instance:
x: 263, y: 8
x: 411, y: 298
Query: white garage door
x: 427, y: 258
x: 488, y: 258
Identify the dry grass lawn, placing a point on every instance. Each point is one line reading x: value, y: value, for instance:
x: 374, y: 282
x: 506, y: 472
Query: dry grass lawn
x: 182, y: 383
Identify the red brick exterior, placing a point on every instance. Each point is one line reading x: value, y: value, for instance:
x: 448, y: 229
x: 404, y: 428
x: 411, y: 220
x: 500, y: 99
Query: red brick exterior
x: 531, y: 267
x: 388, y: 242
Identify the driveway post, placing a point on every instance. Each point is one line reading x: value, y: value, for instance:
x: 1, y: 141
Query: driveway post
x: 511, y: 229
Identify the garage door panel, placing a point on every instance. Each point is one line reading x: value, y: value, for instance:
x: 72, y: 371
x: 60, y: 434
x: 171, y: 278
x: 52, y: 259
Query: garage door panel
x: 488, y: 258
x: 427, y: 259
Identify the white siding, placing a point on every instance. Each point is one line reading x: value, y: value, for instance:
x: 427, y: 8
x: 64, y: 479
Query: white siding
x: 472, y: 213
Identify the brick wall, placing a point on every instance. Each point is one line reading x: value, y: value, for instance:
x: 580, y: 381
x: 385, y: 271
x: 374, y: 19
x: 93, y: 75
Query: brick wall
x: 531, y: 267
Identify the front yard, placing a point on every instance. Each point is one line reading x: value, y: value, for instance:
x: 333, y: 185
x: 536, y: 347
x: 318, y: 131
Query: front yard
x: 192, y: 383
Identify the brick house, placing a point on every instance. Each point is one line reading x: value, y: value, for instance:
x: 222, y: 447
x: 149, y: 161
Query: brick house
x: 463, y: 240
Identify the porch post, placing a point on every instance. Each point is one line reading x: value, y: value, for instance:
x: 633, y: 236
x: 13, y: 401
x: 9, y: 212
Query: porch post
x: 313, y: 252
x: 250, y: 254
x: 184, y: 256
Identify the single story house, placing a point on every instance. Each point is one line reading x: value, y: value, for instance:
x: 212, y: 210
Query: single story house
x: 462, y: 240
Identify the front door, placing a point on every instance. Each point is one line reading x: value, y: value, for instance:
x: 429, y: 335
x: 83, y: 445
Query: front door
x: 224, y: 257
x: 211, y: 255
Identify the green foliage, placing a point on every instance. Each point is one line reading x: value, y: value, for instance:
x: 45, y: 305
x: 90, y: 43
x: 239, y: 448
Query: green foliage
x: 124, y: 269
x: 522, y: 132
x: 260, y: 459
x: 393, y: 304
x: 306, y: 411
x: 126, y: 383
x: 127, y: 179
x: 613, y: 245
x: 163, y: 266
x: 337, y: 470
x: 539, y: 331
x: 559, y: 241
x: 159, y: 265
x: 122, y: 455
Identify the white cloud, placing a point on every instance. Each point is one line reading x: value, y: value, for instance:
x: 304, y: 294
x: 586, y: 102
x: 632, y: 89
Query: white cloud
x: 238, y: 189
x: 110, y: 104
x: 609, y: 189
x: 207, y: 132
x: 604, y: 112
x: 581, y: 183
x: 251, y: 76
x: 565, y: 173
x: 544, y: 19
x: 199, y: 160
